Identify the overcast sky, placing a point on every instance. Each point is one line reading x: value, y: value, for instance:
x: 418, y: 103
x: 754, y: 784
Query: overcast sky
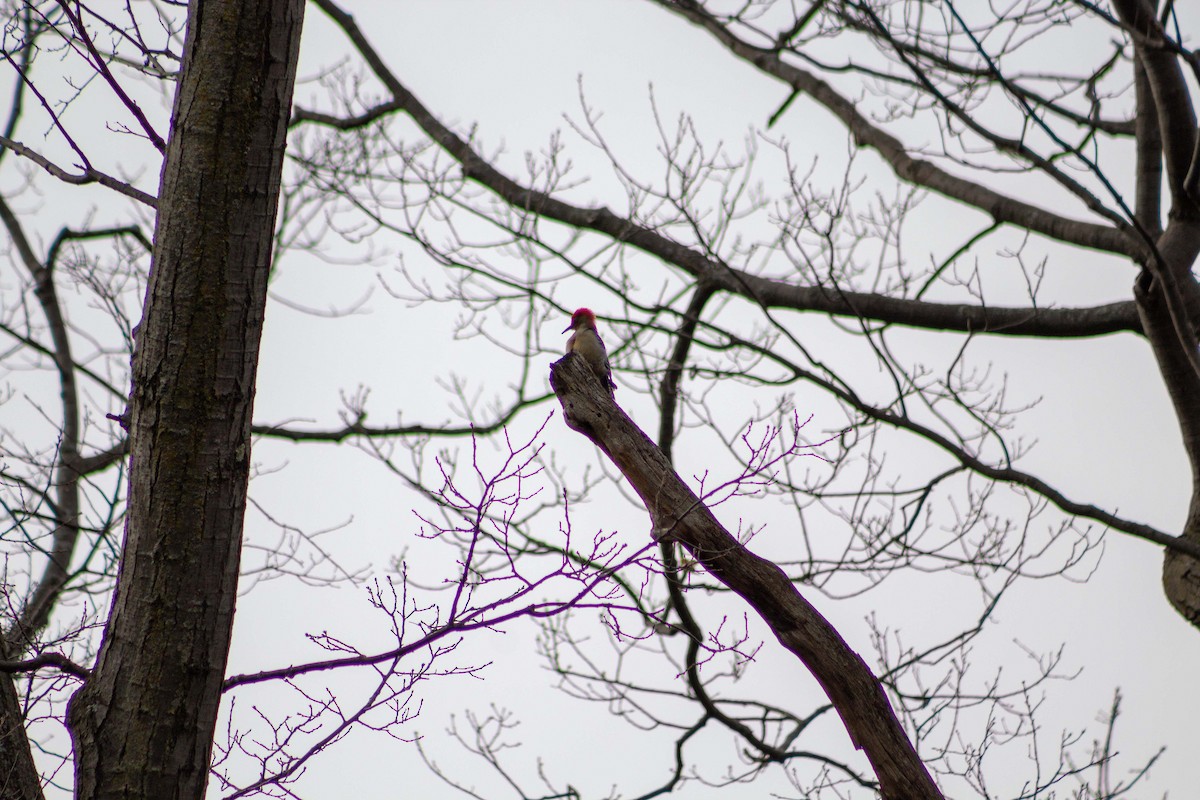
x: 1102, y: 426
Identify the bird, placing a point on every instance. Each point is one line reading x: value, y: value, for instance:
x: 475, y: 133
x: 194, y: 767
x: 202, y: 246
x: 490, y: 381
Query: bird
x: 586, y: 342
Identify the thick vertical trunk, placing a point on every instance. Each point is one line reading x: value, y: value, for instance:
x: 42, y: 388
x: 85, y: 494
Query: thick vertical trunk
x: 19, y: 778
x: 143, y: 723
x: 1167, y: 293
x: 1179, y: 248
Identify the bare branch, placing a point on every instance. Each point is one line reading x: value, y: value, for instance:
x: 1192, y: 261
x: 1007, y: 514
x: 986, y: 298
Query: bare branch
x: 56, y: 660
x: 999, y: 207
x: 677, y: 513
x: 89, y: 174
x: 768, y: 293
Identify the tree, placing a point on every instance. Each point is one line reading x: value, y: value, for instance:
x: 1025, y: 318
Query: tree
x: 739, y: 294
x: 143, y: 720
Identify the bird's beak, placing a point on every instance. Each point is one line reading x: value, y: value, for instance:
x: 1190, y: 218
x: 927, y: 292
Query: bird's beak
x: 564, y: 330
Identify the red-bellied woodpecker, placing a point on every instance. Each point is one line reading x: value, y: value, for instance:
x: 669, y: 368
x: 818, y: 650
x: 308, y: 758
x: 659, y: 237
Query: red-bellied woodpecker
x: 587, y: 342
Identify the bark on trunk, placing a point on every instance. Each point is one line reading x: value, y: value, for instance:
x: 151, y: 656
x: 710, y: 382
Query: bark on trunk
x: 19, y: 779
x: 143, y: 723
x: 675, y: 511
x: 1167, y: 293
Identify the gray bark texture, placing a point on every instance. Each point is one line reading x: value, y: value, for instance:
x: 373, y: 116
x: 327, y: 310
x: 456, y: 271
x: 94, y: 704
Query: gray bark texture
x: 1167, y: 293
x: 676, y: 512
x: 143, y: 723
x: 19, y: 779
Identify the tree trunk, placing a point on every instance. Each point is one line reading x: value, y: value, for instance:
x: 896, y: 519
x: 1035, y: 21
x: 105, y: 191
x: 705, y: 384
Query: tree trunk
x: 143, y: 723
x: 19, y: 779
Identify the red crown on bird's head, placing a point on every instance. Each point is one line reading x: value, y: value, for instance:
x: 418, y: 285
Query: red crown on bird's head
x: 581, y: 316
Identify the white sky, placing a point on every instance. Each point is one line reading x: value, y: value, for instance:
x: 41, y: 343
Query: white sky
x: 1104, y: 429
